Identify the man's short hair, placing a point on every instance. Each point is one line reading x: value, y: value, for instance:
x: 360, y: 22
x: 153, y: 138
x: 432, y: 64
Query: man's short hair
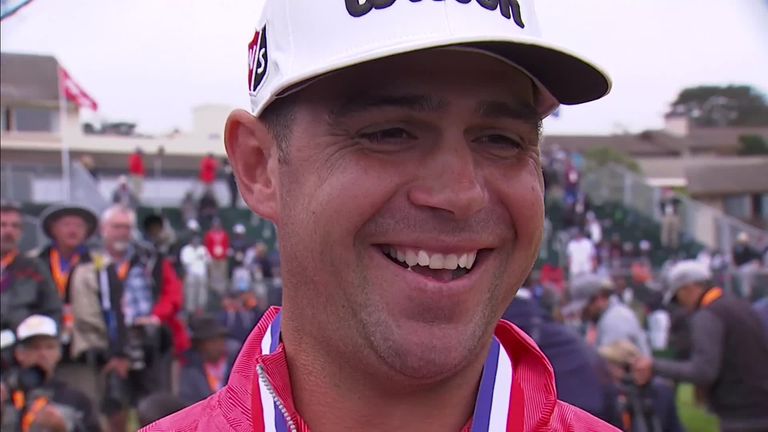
x: 117, y: 208
x: 278, y: 118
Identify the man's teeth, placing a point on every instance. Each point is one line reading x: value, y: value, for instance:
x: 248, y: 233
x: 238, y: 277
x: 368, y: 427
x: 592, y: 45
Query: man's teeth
x: 436, y: 261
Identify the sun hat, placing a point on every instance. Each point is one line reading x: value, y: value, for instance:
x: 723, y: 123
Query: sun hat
x: 683, y: 273
x: 298, y: 41
x: 54, y: 212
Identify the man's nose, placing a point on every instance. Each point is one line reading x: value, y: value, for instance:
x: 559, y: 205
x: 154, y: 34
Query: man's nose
x: 450, y: 181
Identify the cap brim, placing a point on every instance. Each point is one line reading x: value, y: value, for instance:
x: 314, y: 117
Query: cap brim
x: 568, y: 78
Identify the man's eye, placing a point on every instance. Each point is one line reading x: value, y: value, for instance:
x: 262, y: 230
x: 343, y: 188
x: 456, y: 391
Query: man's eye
x: 384, y: 135
x: 501, y: 141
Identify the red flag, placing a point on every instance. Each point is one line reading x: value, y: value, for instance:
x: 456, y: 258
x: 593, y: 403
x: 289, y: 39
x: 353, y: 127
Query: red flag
x: 74, y: 93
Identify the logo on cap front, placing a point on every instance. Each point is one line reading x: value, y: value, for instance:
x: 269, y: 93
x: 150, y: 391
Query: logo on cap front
x: 510, y: 9
x: 257, y: 59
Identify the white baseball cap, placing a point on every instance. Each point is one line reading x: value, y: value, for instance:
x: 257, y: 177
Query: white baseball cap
x: 297, y: 41
x: 36, y: 325
x: 683, y: 273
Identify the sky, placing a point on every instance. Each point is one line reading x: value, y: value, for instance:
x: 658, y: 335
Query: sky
x: 152, y: 61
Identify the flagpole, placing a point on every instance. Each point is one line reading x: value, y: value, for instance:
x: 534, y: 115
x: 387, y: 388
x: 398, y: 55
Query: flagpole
x: 65, y: 166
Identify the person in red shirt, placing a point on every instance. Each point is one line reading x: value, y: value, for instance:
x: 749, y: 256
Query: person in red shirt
x: 208, y: 168
x: 137, y: 172
x: 217, y: 242
x: 398, y: 157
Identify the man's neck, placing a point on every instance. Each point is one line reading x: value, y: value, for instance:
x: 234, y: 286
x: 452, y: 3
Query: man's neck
x: 330, y: 395
x: 66, y: 252
x: 116, y: 255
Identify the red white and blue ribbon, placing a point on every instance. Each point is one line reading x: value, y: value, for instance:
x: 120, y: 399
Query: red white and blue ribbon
x: 492, y: 406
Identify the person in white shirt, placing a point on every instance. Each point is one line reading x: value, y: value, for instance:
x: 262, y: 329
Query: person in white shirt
x: 594, y: 228
x: 195, y: 259
x: 581, y: 255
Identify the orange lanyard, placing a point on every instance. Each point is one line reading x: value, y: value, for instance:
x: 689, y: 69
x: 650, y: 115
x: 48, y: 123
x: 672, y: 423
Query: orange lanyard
x: 8, y: 259
x: 213, y: 382
x: 122, y: 271
x: 31, y: 415
x: 61, y: 277
x: 711, y: 296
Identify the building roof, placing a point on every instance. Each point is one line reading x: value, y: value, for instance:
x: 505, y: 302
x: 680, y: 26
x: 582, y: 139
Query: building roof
x: 745, y: 177
x: 653, y: 143
x: 29, y: 78
x: 722, y: 139
x: 657, y: 143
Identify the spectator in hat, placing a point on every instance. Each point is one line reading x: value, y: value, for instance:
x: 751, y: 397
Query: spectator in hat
x: 68, y: 226
x: 26, y: 287
x: 729, y: 350
x: 137, y: 172
x: 48, y: 404
x: 206, y: 365
x: 594, y: 296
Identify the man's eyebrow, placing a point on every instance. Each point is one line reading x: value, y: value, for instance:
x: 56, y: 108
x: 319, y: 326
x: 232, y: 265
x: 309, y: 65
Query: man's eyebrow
x: 362, y: 103
x: 524, y: 112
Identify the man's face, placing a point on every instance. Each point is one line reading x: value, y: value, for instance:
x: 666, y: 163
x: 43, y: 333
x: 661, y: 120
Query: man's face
x: 11, y: 226
x: 41, y: 351
x: 595, y: 308
x: 69, y: 231
x: 117, y: 230
x: 432, y: 155
x: 688, y: 296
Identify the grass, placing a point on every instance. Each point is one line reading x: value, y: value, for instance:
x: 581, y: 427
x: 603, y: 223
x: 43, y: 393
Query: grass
x: 693, y: 417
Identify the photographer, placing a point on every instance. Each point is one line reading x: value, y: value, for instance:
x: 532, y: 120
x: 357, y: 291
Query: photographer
x: 32, y: 399
x: 649, y: 407
x: 125, y: 304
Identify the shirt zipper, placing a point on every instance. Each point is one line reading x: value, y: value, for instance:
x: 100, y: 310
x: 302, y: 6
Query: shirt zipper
x: 263, y: 378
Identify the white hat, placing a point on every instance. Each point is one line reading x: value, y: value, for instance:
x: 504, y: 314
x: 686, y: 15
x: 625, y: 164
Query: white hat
x: 193, y: 225
x: 684, y: 273
x: 36, y: 325
x: 239, y: 229
x: 7, y: 338
x: 299, y: 40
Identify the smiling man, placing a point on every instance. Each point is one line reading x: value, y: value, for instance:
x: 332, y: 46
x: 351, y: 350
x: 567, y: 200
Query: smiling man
x: 397, y: 153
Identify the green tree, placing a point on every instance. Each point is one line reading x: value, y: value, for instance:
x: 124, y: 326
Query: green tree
x: 753, y: 145
x: 716, y: 106
x: 601, y: 156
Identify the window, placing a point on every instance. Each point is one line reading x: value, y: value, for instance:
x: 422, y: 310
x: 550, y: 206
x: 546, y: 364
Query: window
x: 738, y: 206
x: 35, y: 120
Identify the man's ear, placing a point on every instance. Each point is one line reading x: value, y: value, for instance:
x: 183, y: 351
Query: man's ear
x: 253, y: 155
